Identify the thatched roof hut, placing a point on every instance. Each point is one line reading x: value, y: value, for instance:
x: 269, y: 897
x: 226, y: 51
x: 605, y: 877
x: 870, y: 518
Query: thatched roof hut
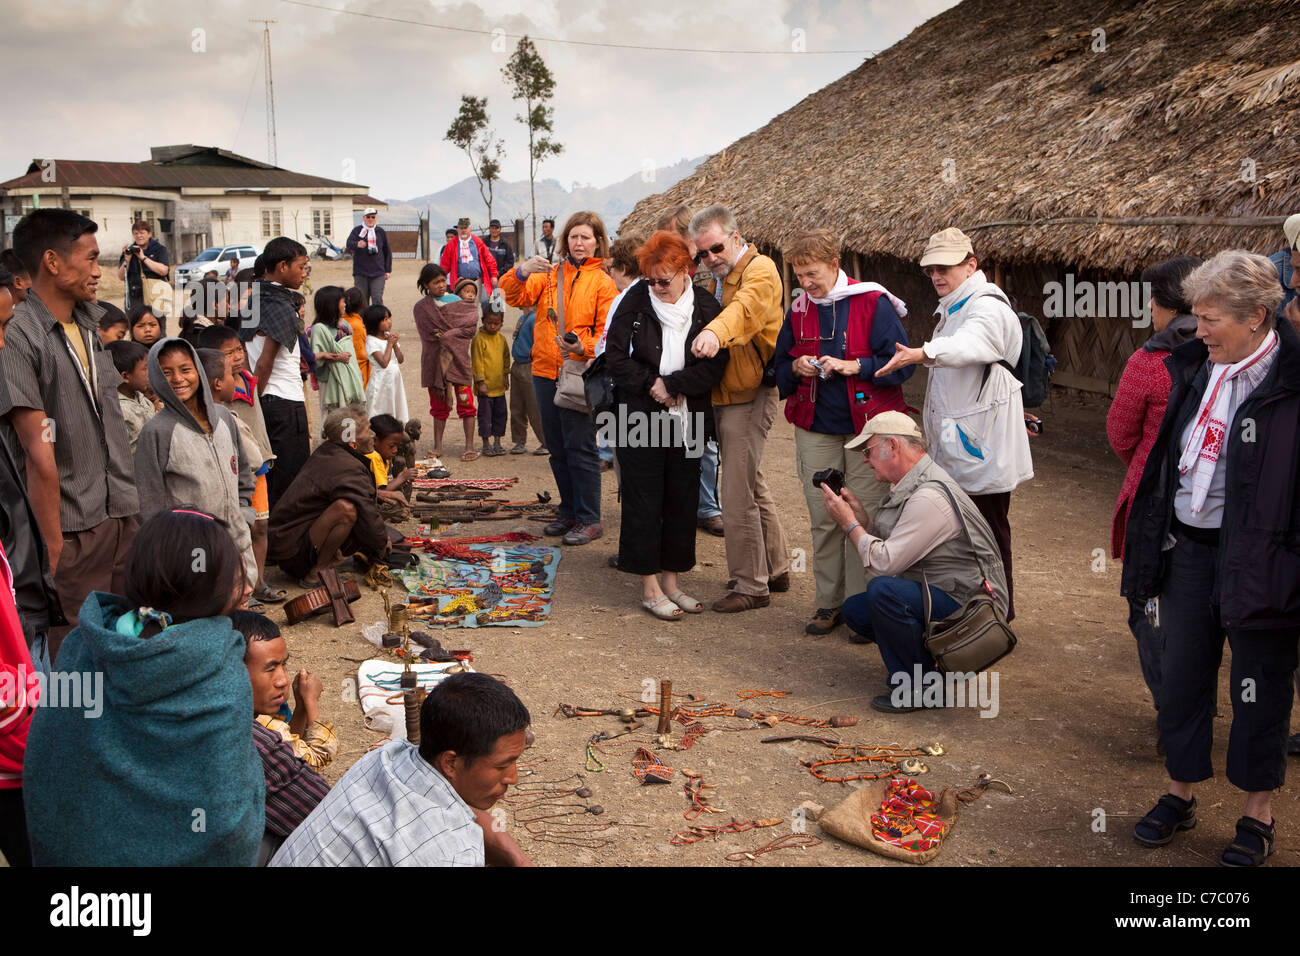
x: 1057, y: 147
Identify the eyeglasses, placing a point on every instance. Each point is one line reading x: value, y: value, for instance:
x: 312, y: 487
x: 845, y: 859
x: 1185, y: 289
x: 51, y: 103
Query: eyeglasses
x: 715, y: 250
x: 662, y: 283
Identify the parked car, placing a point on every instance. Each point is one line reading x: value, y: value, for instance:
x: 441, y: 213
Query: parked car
x: 215, y: 257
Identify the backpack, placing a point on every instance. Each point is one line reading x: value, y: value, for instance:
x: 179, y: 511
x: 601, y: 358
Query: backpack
x: 1034, y: 367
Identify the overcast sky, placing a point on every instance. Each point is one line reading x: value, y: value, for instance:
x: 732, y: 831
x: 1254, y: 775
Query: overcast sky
x: 107, y: 79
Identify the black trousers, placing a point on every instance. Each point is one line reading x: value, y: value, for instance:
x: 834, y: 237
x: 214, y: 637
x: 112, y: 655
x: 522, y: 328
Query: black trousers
x: 1148, y: 646
x: 661, y: 493
x: 995, y: 509
x: 1260, y: 684
x: 13, y: 829
x: 286, y: 427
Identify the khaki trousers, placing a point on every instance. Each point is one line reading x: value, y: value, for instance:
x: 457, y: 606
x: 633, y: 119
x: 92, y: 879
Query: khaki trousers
x: 837, y: 568
x: 92, y: 560
x: 756, y: 544
x: 523, y: 404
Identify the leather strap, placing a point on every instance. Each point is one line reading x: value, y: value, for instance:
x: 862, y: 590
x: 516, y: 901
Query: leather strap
x: 559, y: 297
x: 925, y: 584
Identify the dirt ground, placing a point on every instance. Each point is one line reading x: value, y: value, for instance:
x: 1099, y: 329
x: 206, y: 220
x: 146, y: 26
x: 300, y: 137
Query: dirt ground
x: 1073, y: 735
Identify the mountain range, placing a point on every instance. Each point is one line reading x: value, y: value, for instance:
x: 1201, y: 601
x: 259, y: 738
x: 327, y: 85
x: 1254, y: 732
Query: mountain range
x: 511, y: 200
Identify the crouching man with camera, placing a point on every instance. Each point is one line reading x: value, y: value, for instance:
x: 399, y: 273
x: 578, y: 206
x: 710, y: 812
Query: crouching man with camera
x: 926, y: 529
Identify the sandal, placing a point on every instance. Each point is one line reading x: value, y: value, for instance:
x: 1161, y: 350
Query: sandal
x: 270, y: 595
x: 254, y: 605
x: 470, y: 455
x: 659, y: 610
x: 687, y: 603
x: 1252, y: 845
x: 1167, y: 817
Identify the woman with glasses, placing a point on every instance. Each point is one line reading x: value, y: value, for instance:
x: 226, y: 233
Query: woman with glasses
x: 837, y: 334
x: 664, y: 418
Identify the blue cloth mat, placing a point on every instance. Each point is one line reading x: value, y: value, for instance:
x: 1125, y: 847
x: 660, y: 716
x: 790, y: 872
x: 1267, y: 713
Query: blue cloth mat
x: 513, y: 590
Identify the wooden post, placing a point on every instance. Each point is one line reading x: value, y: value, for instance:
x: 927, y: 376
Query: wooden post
x: 665, y: 707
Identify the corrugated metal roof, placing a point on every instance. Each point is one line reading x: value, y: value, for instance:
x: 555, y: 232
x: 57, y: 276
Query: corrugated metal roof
x: 178, y: 170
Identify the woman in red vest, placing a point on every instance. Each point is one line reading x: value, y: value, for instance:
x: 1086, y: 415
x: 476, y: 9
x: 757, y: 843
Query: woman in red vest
x: 837, y: 333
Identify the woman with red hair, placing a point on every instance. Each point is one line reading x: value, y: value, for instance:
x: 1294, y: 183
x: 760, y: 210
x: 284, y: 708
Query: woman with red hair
x: 663, y: 417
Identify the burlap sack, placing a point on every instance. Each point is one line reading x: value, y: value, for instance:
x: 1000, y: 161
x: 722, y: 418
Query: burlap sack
x: 850, y: 821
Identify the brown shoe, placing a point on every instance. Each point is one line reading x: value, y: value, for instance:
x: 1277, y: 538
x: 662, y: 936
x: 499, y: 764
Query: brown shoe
x: 780, y: 584
x: 712, y: 525
x: 824, y: 621
x: 735, y: 601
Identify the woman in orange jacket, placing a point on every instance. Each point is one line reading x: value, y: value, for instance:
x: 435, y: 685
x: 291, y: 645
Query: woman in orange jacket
x: 588, y: 292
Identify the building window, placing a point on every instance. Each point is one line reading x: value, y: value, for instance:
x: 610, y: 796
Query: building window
x: 147, y: 215
x: 84, y: 212
x: 322, y: 221
x: 271, y: 223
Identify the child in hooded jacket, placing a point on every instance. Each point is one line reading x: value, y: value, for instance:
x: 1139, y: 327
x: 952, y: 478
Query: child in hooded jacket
x: 190, y: 451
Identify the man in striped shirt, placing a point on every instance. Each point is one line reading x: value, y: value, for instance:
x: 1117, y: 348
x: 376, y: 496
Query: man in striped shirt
x: 428, y: 806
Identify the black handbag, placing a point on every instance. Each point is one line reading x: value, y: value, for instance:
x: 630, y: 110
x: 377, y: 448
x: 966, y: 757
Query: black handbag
x: 975, y: 636
x: 599, y: 387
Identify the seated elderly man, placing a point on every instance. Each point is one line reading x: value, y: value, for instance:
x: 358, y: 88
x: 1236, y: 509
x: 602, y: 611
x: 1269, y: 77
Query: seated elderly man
x: 291, y: 752
x: 426, y: 806
x: 916, y: 530
x: 331, y: 508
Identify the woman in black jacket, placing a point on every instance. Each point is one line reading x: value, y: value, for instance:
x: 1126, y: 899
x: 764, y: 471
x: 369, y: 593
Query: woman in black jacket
x: 1213, y: 546
x: 661, y: 420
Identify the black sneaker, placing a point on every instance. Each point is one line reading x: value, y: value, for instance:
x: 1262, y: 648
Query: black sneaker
x: 557, y: 528
x: 885, y: 704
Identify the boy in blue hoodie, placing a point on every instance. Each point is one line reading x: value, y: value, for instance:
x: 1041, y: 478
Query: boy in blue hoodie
x: 190, y: 453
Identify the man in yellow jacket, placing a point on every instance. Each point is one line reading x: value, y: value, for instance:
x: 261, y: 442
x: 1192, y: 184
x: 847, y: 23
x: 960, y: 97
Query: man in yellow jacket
x: 743, y: 407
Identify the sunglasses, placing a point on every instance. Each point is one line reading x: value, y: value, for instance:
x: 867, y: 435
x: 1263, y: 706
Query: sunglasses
x: 661, y: 283
x: 715, y: 250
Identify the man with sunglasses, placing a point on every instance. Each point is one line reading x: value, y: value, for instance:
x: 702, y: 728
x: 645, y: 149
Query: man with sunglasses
x: 974, y: 416
x: 744, y: 408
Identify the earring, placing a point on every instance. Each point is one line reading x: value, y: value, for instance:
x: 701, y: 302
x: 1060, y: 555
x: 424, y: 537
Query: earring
x: 1254, y: 330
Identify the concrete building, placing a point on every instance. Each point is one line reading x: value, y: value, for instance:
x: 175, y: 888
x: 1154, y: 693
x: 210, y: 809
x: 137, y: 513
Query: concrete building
x: 195, y: 196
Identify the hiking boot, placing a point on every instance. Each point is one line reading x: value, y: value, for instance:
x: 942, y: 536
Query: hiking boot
x: 518, y: 449
x: 735, y: 601
x: 712, y: 524
x: 557, y: 528
x: 583, y: 534
x: 824, y: 621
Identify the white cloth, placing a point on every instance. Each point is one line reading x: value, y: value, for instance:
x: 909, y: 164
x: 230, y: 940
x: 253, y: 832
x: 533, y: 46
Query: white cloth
x: 976, y: 429
x: 675, y: 321
x: 391, y: 809
x: 1228, y: 387
x: 466, y: 254
x: 385, y: 393
x: 369, y: 236
x: 842, y: 290
x: 285, y: 380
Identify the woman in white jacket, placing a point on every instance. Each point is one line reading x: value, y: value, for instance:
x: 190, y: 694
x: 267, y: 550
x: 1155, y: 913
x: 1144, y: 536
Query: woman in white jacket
x: 973, y: 415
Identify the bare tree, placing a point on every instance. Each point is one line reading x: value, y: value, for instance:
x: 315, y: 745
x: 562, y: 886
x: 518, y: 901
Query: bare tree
x: 531, y: 81
x: 470, y: 132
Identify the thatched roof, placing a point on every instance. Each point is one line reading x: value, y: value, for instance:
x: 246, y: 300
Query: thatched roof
x: 1038, y: 126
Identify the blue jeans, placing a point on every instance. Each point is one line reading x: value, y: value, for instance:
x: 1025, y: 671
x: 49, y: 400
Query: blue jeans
x: 571, y: 440
x: 709, y: 507
x: 890, y: 611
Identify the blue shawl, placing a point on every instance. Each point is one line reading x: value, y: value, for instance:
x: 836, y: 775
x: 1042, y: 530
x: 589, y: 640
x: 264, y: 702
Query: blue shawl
x: 167, y: 774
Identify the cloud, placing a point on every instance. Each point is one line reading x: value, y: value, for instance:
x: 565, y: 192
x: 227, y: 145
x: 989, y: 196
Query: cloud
x: 108, y: 80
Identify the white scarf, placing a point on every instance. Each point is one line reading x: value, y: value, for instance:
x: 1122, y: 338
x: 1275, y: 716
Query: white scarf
x: 842, y: 290
x: 1218, y: 405
x: 465, y: 250
x: 368, y: 234
x: 675, y: 323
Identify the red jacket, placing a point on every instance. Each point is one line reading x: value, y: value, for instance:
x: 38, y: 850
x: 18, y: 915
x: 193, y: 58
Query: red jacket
x: 1132, y: 425
x: 865, y: 399
x: 18, y: 688
x: 451, y: 261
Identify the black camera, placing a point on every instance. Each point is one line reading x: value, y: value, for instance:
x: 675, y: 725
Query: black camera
x: 571, y: 338
x: 831, y: 478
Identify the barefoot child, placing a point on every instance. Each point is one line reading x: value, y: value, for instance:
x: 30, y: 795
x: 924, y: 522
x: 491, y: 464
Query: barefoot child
x: 131, y: 359
x: 189, y: 454
x: 491, y: 360
x: 388, y: 438
x: 248, y: 414
x: 354, y: 302
x: 446, y: 330
x: 385, y: 395
x: 336, y: 362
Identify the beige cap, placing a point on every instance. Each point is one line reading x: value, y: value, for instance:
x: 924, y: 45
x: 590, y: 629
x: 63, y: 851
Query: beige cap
x: 371, y: 211
x: 947, y: 248
x: 1291, y: 229
x: 886, y: 423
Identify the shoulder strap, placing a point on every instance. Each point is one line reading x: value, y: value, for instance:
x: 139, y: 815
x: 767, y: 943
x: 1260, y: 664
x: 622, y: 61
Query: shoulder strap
x: 964, y: 530
x: 559, y: 297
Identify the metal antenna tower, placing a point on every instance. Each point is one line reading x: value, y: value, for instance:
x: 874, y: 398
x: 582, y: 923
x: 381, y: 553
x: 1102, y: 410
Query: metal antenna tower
x: 270, y: 91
